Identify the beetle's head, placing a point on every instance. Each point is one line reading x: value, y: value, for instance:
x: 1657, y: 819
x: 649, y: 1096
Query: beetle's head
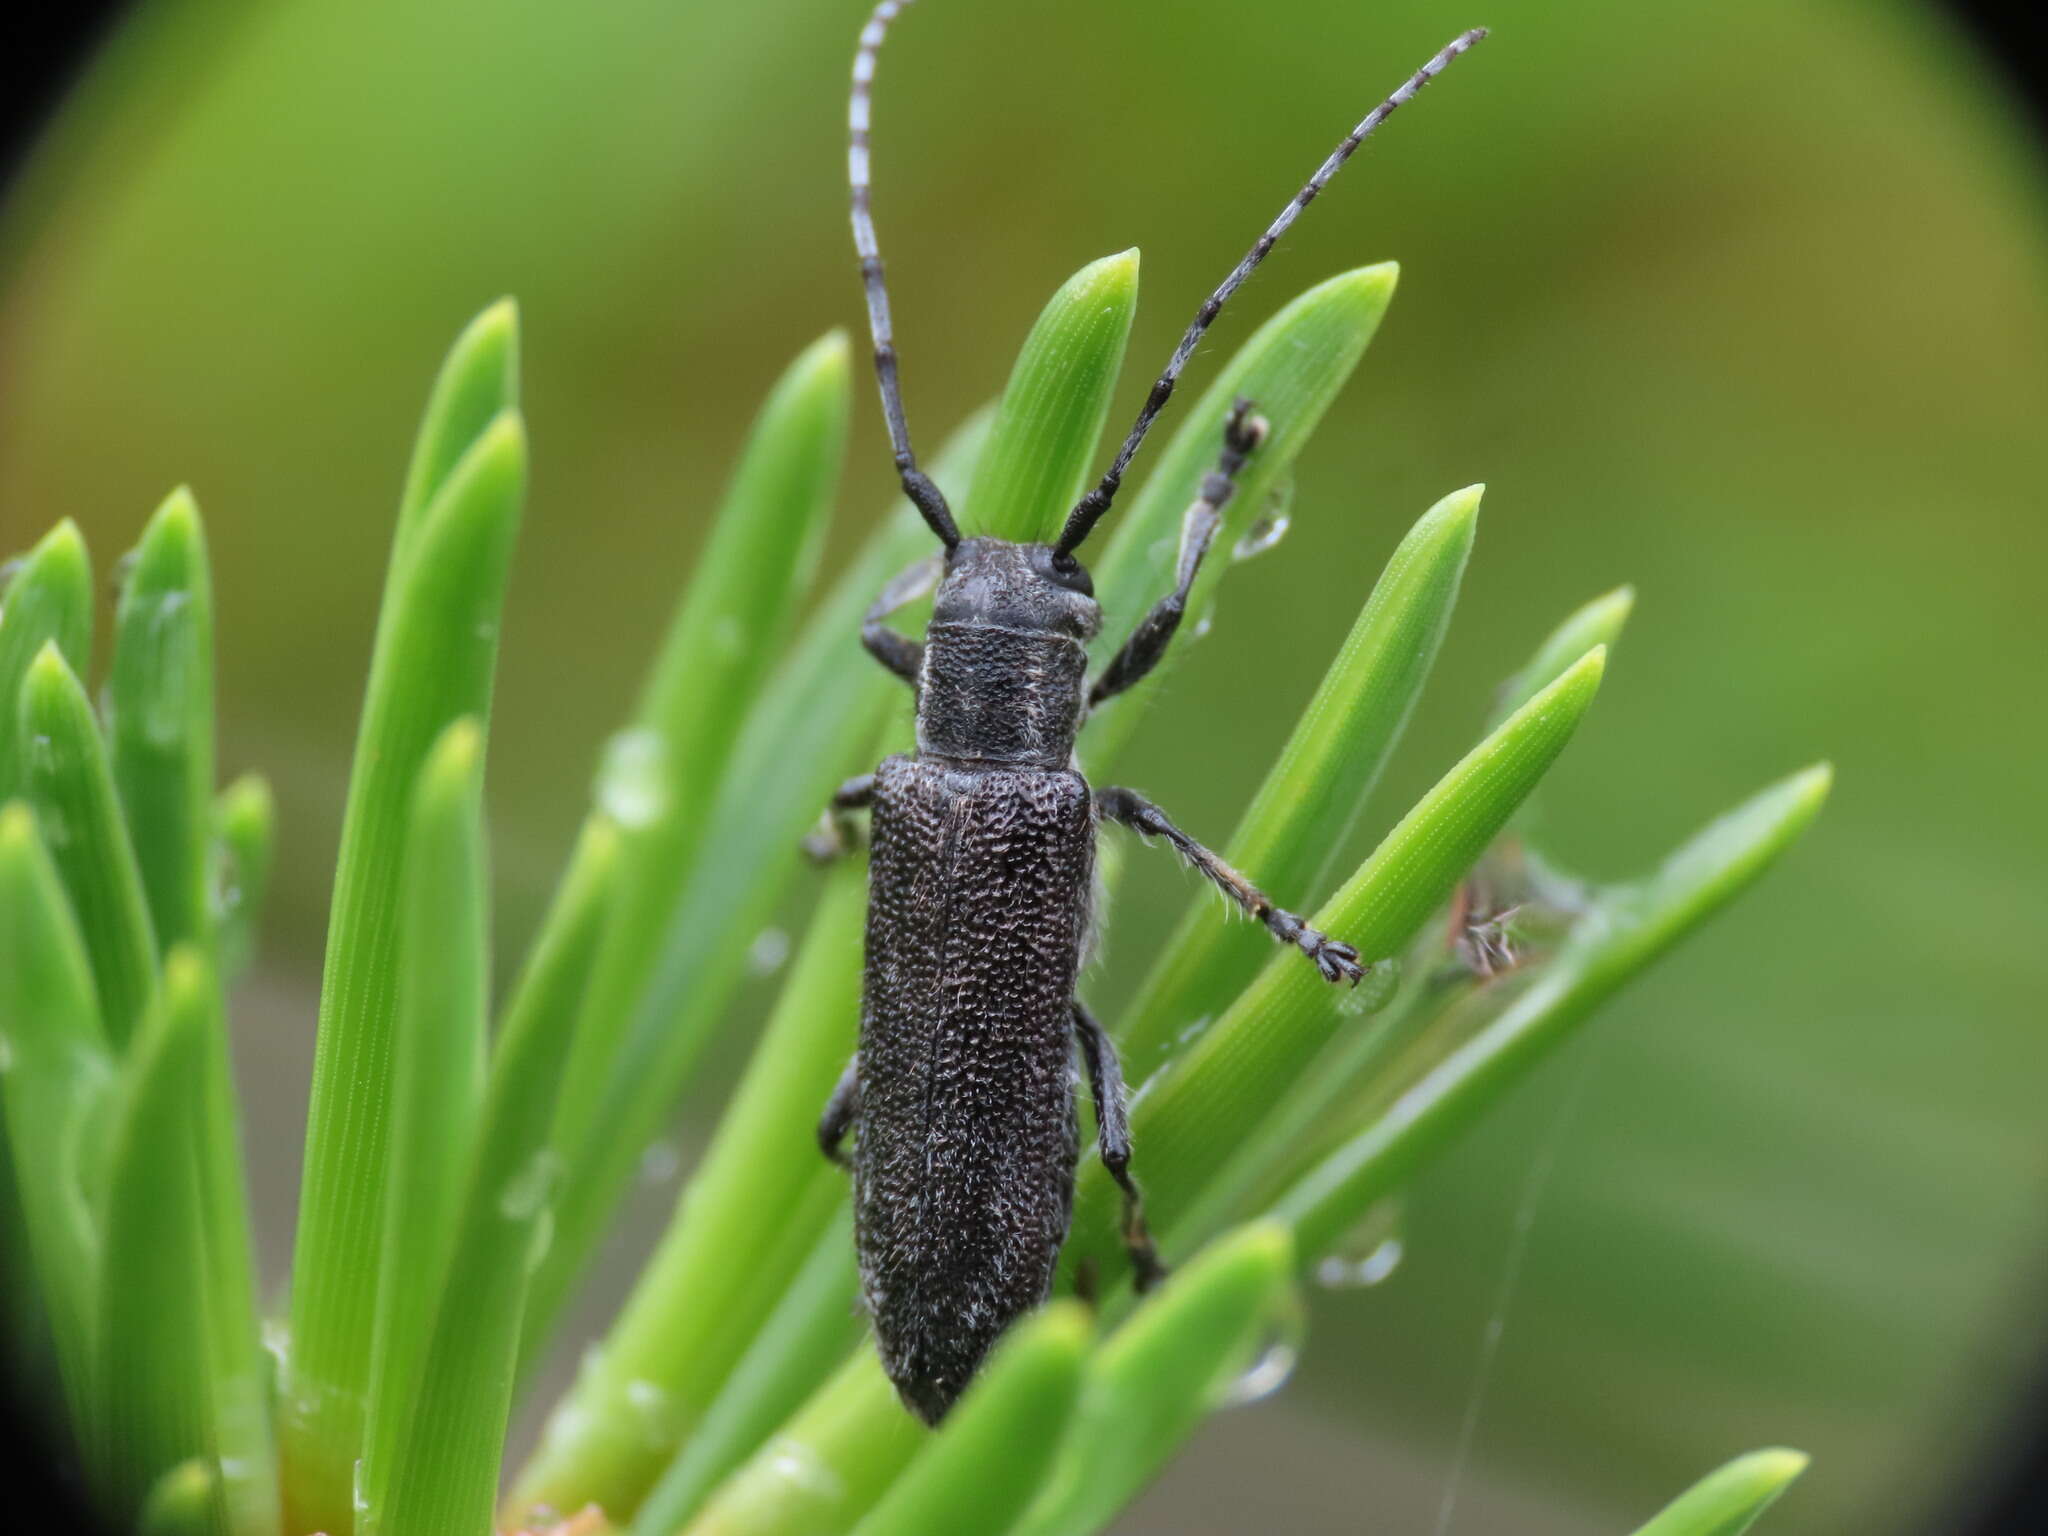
x: 1025, y: 587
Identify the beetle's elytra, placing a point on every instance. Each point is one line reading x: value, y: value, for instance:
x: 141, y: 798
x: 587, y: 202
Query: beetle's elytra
x: 961, y: 1095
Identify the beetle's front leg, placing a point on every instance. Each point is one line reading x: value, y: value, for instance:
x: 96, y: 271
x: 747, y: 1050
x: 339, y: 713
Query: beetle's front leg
x: 1337, y: 961
x: 836, y: 833
x: 1242, y: 433
x: 840, y: 1112
x: 1113, y: 1141
x: 898, y: 652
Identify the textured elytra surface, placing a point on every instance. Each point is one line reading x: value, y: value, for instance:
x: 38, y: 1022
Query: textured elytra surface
x: 966, y: 1140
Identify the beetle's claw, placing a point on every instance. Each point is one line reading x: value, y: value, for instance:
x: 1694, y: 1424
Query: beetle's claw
x: 1338, y: 962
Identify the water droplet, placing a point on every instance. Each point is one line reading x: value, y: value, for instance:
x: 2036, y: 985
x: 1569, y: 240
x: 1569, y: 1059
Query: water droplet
x: 51, y: 821
x: 1267, y: 529
x: 122, y: 571
x: 361, y: 1494
x: 527, y: 1190
x: 797, y: 1464
x: 277, y: 1339
x: 662, y: 1161
x: 542, y: 1240
x: 1274, y: 1361
x: 1336, y: 1273
x: 655, y: 1411
x: 1147, y: 1074
x: 632, y: 783
x: 728, y: 634
x: 1373, y: 992
x: 226, y: 888
x: 1267, y: 1374
x: 1368, y: 1254
x: 163, y: 625
x: 1264, y: 1376
x: 1202, y: 626
x: 567, y: 1426
x: 768, y: 951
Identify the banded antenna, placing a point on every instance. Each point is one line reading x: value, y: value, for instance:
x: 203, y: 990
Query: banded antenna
x: 1081, y: 521
x: 1090, y: 509
x: 917, y: 485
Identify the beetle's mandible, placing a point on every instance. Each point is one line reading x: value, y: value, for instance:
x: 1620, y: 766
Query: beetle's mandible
x: 961, y: 1096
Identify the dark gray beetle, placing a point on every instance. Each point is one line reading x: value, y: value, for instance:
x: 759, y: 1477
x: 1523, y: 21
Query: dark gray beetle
x: 981, y: 864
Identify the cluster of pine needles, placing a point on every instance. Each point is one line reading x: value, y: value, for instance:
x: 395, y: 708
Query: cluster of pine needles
x: 465, y: 1154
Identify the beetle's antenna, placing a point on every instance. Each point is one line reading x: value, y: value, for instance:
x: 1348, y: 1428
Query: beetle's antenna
x: 1082, y: 520
x: 917, y: 485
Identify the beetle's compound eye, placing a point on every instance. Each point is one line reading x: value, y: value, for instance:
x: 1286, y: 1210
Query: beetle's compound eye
x: 1064, y: 570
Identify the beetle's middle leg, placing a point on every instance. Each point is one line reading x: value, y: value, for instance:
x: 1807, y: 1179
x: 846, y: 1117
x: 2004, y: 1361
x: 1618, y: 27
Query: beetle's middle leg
x: 835, y: 834
x: 840, y: 1111
x: 1242, y: 433
x: 1113, y: 1141
x: 1337, y: 961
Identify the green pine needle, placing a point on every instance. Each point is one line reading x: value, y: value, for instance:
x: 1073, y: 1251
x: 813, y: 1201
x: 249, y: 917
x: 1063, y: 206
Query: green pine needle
x: 1161, y: 1373
x: 436, y: 652
x: 1729, y: 1500
x: 67, y: 779
x: 658, y: 780
x: 809, y: 1332
x: 823, y: 1469
x: 445, y: 1473
x: 153, y: 1408
x: 1050, y: 421
x: 59, y: 1073
x: 721, y: 1267
x: 244, y: 847
x: 437, y: 1084
x: 988, y: 1460
x: 47, y: 601
x: 160, y: 717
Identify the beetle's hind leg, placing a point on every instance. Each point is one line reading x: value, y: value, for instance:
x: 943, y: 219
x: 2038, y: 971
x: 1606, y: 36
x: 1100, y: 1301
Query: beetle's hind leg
x: 1113, y: 1140
x: 837, y: 834
x: 840, y: 1112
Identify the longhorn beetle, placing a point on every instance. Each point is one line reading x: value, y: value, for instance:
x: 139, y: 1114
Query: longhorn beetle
x: 981, y: 863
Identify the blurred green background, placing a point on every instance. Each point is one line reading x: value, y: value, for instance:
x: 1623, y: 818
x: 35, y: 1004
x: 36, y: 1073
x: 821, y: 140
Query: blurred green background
x: 1741, y: 302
